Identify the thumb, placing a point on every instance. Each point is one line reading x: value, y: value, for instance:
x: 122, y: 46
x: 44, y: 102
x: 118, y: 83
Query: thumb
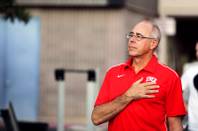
x: 138, y: 81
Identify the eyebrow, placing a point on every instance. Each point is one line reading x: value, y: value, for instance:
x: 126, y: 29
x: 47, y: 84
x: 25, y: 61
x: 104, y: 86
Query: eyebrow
x: 136, y: 33
x: 139, y: 34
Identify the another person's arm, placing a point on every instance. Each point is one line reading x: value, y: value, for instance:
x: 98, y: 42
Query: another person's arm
x: 185, y: 79
x: 175, y: 124
x: 138, y: 90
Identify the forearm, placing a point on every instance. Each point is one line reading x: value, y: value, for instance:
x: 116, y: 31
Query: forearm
x: 138, y: 90
x: 107, y: 111
x: 175, y: 124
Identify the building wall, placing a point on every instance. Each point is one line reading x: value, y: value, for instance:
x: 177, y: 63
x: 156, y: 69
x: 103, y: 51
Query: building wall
x: 178, y: 7
x: 78, y: 39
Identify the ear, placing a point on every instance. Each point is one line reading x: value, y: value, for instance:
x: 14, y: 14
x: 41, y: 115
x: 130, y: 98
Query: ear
x: 154, y: 44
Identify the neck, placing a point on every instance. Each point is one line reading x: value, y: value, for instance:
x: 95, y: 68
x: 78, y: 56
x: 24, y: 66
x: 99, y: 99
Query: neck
x: 140, y: 62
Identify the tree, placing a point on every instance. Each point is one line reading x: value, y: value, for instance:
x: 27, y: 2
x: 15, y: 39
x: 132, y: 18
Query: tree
x: 9, y: 10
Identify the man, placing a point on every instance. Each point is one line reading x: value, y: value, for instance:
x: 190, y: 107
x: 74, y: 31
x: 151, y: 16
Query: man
x: 141, y: 94
x: 190, y: 90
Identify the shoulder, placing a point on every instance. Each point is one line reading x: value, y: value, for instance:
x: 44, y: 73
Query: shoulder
x: 190, y: 69
x: 190, y: 66
x: 116, y: 68
x: 167, y: 71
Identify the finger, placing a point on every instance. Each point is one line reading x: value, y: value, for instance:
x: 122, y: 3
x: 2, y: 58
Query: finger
x: 153, y: 87
x: 149, y: 96
x: 148, y: 83
x: 152, y: 91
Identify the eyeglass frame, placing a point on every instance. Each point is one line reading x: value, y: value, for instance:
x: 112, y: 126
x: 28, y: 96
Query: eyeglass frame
x: 138, y: 36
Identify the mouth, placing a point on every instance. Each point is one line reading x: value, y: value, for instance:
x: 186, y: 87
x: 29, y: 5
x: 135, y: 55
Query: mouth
x: 131, y: 48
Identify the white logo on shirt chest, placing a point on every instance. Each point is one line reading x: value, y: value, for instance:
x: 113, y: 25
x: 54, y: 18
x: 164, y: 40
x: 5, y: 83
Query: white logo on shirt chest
x: 151, y: 79
x: 120, y: 75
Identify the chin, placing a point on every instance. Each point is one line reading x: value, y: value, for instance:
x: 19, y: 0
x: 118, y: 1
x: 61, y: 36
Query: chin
x: 131, y: 53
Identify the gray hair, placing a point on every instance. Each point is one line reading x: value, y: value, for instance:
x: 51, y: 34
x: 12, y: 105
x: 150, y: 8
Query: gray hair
x: 156, y: 32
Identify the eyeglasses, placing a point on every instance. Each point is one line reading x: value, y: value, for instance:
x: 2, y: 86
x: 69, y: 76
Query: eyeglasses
x: 137, y: 36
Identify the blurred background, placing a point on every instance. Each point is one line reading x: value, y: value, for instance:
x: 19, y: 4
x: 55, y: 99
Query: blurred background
x: 39, y: 36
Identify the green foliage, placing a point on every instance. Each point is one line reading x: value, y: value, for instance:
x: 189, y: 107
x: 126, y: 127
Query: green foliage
x: 9, y: 10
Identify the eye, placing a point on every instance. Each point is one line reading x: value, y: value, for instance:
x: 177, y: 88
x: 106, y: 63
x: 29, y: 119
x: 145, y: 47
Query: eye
x: 139, y: 36
x: 131, y: 34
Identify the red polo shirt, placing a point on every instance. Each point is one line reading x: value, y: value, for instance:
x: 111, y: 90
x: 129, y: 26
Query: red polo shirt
x: 143, y: 114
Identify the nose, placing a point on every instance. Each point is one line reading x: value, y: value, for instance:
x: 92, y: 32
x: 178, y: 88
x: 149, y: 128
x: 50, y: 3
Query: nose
x: 131, y: 42
x: 132, y: 39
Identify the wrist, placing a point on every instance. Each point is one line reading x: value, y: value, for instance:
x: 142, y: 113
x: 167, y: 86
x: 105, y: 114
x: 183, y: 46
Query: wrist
x: 128, y: 97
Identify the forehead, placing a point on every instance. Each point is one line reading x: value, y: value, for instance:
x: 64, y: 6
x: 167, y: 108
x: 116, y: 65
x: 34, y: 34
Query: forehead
x: 144, y: 28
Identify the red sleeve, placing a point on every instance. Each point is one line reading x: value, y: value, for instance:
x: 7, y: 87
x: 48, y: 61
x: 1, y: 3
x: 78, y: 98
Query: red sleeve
x: 174, y: 99
x: 103, y: 95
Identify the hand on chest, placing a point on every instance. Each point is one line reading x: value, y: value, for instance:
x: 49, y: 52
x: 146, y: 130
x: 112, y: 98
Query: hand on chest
x: 123, y: 81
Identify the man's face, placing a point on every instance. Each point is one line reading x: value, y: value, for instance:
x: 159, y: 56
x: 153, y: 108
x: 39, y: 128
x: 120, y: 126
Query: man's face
x: 140, y: 47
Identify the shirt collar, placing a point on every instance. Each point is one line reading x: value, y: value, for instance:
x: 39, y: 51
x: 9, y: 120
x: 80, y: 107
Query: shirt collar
x: 151, y: 66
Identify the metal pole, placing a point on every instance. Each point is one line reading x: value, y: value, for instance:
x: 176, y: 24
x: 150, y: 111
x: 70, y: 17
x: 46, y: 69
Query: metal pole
x: 59, y: 74
x: 90, y: 98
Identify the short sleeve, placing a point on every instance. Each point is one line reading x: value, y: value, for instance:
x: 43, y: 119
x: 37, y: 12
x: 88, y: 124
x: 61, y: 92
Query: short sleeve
x: 185, y: 80
x: 174, y: 99
x: 103, y: 95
